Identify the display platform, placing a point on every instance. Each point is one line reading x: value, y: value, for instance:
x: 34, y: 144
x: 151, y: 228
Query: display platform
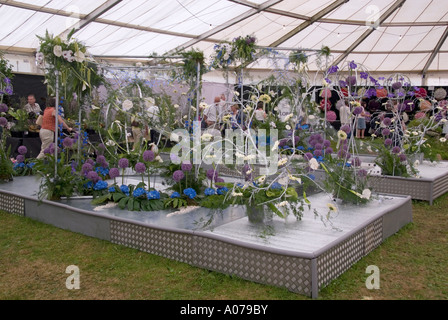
x: 303, y: 256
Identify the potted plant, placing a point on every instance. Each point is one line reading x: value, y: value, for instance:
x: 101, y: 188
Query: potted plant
x: 21, y: 122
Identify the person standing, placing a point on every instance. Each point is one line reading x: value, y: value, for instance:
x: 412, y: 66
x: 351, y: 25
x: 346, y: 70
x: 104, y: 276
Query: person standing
x: 211, y: 113
x: 47, y: 132
x: 361, y: 123
x: 344, y: 114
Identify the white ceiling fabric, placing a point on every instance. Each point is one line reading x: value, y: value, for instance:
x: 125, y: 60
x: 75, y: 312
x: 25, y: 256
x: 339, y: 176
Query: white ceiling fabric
x: 411, y: 39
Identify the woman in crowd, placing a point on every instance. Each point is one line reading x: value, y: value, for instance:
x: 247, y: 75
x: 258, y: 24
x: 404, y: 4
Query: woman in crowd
x: 47, y: 131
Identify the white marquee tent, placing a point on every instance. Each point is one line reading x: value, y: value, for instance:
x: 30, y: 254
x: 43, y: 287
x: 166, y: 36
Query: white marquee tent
x: 386, y: 36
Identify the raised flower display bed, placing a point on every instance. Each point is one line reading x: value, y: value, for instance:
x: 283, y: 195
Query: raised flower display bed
x: 278, y: 253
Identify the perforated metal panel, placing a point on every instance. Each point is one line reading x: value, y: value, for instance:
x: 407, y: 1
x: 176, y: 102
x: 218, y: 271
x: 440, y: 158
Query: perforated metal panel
x: 339, y: 259
x: 440, y: 187
x: 258, y: 266
x: 171, y: 245
x: 419, y: 190
x: 373, y: 234
x: 12, y: 204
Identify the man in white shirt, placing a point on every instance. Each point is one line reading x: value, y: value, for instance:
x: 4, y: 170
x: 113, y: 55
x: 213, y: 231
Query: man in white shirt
x: 32, y: 106
x: 211, y: 113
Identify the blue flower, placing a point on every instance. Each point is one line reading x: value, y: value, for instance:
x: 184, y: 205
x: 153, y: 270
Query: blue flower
x: 276, y: 186
x: 348, y: 165
x: 312, y: 177
x: 301, y: 148
x: 190, y: 193
x: 175, y: 195
x: 138, y: 192
x: 88, y: 185
x: 100, y: 185
x: 124, y: 189
x: 31, y: 165
x: 209, y: 192
x: 223, y: 190
x: 112, y: 190
x: 153, y: 195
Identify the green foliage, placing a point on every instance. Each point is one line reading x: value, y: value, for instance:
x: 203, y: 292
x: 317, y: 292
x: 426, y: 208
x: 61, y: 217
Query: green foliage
x: 175, y: 203
x: 21, y: 117
x: 391, y: 165
x: 298, y: 57
x: 343, y: 182
x: 6, y: 167
x: 215, y: 201
x: 52, y: 187
x: 5, y: 67
x: 191, y: 60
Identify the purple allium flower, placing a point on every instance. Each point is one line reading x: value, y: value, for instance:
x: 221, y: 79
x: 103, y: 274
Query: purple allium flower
x: 319, y: 146
x: 20, y: 158
x: 283, y: 142
x: 90, y: 161
x: 67, y: 142
x: 212, y: 174
x: 396, y: 85
x: 356, y: 162
x: 86, y: 167
x: 148, y: 156
x: 342, y: 83
x: 219, y: 180
x: 22, y: 150
x: 92, y: 175
x: 346, y: 128
x: 327, y: 143
x: 47, y: 151
x: 178, y: 175
x: 100, y: 159
x: 140, y: 167
x: 329, y: 150
x: 387, y: 121
x: 385, y: 132
x: 186, y: 166
x: 123, y: 163
x: 114, y: 173
x: 402, y: 157
x: 308, y: 156
x: 351, y: 80
x: 296, y: 140
x: 3, y: 122
x: 3, y: 107
x: 362, y: 173
x: 396, y: 150
x: 318, y: 153
x: 388, y: 142
x: 357, y: 111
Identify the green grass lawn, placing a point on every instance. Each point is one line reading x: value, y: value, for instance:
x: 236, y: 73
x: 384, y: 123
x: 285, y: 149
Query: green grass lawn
x: 34, y: 257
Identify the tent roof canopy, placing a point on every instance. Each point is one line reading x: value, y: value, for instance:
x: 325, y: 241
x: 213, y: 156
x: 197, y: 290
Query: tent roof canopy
x: 383, y: 35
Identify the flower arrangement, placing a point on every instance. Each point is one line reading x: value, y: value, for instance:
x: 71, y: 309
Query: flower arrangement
x: 22, y: 167
x: 6, y: 75
x: 70, y: 58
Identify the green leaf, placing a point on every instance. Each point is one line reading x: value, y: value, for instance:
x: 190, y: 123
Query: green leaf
x: 122, y: 203
x: 118, y: 196
x: 136, y: 205
x: 131, y: 204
